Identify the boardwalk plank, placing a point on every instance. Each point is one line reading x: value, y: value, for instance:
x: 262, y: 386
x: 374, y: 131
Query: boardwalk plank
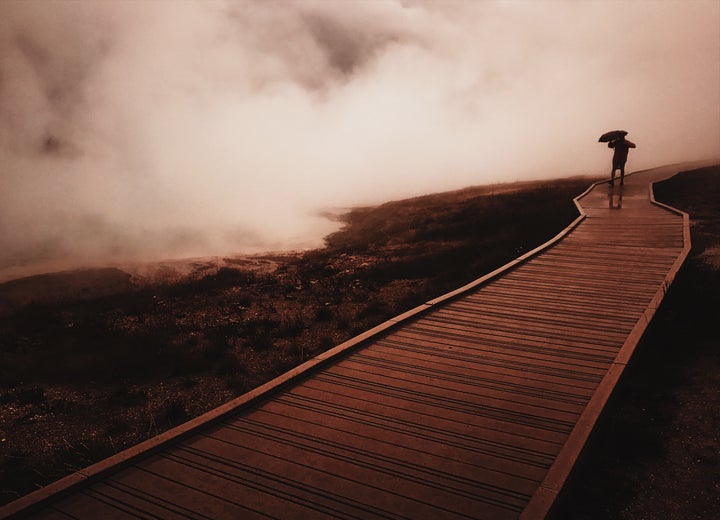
x: 153, y: 505
x: 498, y: 374
x: 403, y: 456
x: 592, y: 321
x: 520, y: 416
x: 347, y: 470
x: 625, y: 289
x: 636, y: 278
x: 503, y: 348
x: 582, y: 309
x: 218, y: 487
x: 91, y: 504
x: 491, y: 450
x: 447, y: 387
x: 469, y: 325
x: 474, y: 373
x: 464, y: 420
x: 616, y: 292
x: 597, y: 303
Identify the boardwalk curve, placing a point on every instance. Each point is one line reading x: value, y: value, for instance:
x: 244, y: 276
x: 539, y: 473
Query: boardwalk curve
x: 473, y: 405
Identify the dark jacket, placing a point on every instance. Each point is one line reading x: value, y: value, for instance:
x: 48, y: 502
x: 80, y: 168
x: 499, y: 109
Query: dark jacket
x: 621, y: 147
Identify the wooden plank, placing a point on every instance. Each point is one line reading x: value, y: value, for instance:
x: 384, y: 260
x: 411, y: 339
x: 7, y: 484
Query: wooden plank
x: 599, y: 273
x: 616, y: 292
x: 520, y: 352
x: 600, y: 260
x: 221, y: 487
x: 498, y: 407
x: 88, y: 505
x: 635, y: 277
x: 457, y: 359
x: 510, y: 347
x: 447, y: 388
x: 619, y: 288
x: 148, y: 505
x: 457, y: 419
x: 594, y: 304
x: 640, y: 245
x: 629, y: 251
x: 441, y: 369
x: 340, y: 467
x: 525, y: 336
x: 471, y: 324
x: 571, y: 246
x: 564, y: 306
x: 540, y: 320
x: 398, y: 451
x: 591, y: 302
x: 590, y: 321
x: 491, y: 449
x: 600, y: 265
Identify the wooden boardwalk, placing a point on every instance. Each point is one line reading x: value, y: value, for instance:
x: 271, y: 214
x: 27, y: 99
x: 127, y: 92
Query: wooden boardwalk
x: 475, y: 405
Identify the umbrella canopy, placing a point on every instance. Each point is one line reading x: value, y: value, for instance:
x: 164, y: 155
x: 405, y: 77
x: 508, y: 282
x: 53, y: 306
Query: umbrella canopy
x: 612, y: 135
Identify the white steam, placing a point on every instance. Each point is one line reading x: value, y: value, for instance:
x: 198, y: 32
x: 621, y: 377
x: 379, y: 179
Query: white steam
x: 158, y: 129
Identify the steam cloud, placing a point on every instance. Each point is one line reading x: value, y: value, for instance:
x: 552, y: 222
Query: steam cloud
x: 161, y: 129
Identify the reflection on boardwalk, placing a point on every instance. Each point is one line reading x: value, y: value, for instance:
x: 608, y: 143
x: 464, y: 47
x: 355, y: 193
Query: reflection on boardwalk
x: 615, y: 196
x: 474, y: 407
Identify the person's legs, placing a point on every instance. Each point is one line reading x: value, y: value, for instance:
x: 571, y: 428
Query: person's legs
x: 612, y: 176
x: 622, y: 174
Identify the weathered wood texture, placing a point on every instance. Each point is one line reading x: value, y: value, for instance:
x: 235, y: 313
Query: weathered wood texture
x: 475, y: 407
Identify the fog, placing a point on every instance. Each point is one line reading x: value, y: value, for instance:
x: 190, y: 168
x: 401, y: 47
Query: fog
x: 149, y: 130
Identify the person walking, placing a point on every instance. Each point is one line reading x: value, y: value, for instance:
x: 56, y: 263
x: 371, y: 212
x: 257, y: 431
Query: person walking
x: 621, y: 147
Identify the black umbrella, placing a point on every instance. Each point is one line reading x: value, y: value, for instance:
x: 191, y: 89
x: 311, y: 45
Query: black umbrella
x: 612, y: 135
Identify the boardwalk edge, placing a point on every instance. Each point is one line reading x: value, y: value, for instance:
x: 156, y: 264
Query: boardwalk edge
x: 543, y: 499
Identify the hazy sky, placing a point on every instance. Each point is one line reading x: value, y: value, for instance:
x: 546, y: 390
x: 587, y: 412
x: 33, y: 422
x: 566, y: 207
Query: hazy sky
x: 154, y: 129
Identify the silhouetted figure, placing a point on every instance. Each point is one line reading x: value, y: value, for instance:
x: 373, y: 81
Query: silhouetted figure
x: 621, y: 147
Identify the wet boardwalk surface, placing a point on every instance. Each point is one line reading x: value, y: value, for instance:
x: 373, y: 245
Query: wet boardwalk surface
x: 476, y: 408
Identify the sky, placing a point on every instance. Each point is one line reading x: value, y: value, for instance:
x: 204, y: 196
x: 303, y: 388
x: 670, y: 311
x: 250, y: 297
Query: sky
x: 158, y: 129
